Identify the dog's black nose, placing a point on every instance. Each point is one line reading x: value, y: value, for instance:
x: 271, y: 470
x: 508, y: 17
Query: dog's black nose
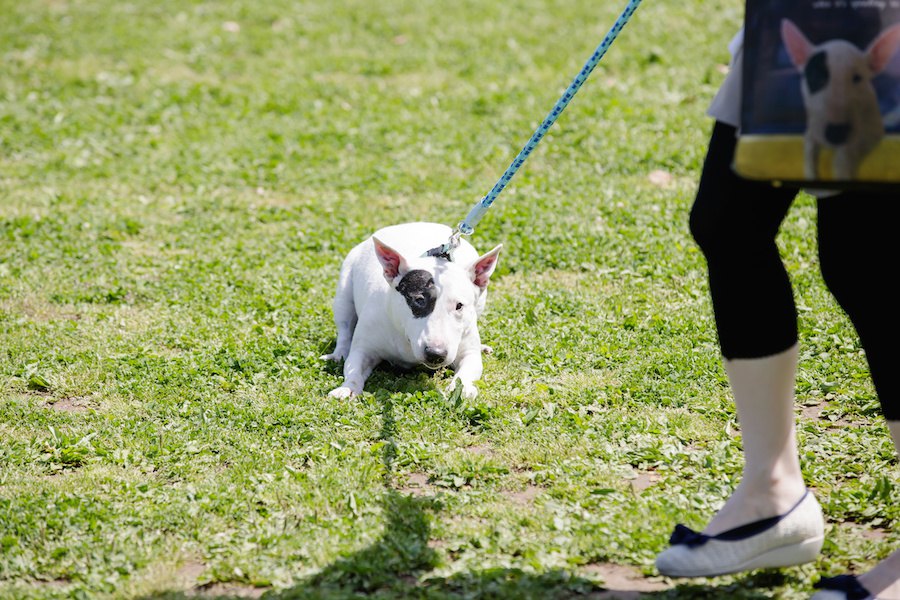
x: 837, y: 134
x: 435, y: 356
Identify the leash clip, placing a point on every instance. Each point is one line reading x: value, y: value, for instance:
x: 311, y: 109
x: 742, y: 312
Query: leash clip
x: 445, y: 250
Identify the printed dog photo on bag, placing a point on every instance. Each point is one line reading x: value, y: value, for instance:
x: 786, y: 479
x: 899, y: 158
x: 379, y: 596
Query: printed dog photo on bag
x: 842, y: 111
x: 821, y: 94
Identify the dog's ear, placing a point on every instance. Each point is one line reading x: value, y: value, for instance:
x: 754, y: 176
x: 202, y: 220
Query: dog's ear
x: 481, y: 269
x: 882, y: 49
x: 798, y: 46
x: 392, y: 261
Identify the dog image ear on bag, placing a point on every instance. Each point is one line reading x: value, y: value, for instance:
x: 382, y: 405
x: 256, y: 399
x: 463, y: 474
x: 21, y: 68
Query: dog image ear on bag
x: 394, y: 304
x: 842, y: 111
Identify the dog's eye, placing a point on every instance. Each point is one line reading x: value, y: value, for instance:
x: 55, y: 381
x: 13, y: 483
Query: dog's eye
x: 419, y: 301
x: 459, y: 305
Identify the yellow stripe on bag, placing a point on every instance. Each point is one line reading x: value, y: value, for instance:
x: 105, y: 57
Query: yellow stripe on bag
x: 780, y: 158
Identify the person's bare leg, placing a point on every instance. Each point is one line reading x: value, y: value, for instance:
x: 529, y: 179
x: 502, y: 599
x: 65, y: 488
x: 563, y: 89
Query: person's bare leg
x: 784, y: 523
x: 883, y: 581
x: 772, y: 482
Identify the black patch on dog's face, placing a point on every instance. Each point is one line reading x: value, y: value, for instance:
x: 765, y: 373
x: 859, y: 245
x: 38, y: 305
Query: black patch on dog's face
x: 816, y: 72
x: 418, y: 289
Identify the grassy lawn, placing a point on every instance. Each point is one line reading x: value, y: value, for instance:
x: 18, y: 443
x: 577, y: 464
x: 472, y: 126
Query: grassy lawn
x: 180, y: 181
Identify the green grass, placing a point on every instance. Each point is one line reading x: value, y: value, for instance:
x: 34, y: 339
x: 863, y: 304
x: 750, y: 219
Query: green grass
x: 180, y: 183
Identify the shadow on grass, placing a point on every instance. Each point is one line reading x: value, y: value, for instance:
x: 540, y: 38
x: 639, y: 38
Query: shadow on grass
x: 396, y: 566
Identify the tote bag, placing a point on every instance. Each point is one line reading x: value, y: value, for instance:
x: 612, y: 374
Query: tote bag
x: 820, y: 102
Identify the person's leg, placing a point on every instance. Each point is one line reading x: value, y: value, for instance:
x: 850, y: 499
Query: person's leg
x: 735, y: 223
x: 857, y: 252
x: 771, y: 481
x: 770, y: 520
x: 884, y: 580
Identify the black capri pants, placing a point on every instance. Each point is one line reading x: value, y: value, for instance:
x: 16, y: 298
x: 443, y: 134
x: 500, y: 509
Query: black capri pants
x: 735, y: 222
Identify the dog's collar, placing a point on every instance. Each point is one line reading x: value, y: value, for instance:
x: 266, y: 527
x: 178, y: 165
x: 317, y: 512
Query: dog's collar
x: 446, y: 249
x: 440, y: 252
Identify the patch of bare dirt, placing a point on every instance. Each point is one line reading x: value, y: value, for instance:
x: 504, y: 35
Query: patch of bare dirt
x: 812, y: 411
x: 233, y: 590
x: 417, y: 485
x: 865, y: 531
x: 876, y: 535
x: 643, y: 481
x: 481, y: 450
x: 524, y: 497
x: 622, y: 582
x: 38, y: 309
x: 76, y: 405
x: 189, y: 572
x: 59, y: 582
x: 815, y: 412
x: 660, y: 178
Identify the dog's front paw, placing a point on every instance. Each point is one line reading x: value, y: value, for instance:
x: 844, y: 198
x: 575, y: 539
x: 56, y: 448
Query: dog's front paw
x: 467, y: 391
x: 341, y: 393
x: 334, y: 356
x: 485, y: 349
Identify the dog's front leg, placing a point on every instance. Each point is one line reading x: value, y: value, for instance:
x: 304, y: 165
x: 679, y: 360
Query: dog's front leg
x: 345, y: 328
x: 468, y: 368
x: 357, y: 368
x: 345, y: 318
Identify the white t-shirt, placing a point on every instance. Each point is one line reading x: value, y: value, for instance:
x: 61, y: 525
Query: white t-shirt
x: 726, y: 105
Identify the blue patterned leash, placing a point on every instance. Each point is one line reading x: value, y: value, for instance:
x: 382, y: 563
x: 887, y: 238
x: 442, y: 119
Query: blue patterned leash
x: 467, y: 226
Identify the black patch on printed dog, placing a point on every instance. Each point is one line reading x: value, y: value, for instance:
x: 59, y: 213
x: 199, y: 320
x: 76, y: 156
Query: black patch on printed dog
x: 417, y: 287
x: 837, y: 133
x: 816, y: 72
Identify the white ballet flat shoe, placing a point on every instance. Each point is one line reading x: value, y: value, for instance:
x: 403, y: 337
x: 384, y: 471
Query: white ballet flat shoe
x: 842, y: 587
x: 793, y: 538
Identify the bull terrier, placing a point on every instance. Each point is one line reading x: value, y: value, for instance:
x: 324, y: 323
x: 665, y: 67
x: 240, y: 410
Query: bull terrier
x: 395, y: 304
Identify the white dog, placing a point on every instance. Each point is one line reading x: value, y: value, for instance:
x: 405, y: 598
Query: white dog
x: 841, y: 105
x: 394, y: 304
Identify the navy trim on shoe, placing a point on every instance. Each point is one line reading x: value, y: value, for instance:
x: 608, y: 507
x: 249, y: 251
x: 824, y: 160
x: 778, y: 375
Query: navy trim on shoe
x: 690, y: 538
x: 848, y: 584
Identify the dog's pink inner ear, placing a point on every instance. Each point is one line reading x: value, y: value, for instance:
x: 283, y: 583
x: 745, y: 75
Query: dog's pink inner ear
x: 389, y: 258
x: 484, y: 267
x: 797, y: 45
x: 883, y: 48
